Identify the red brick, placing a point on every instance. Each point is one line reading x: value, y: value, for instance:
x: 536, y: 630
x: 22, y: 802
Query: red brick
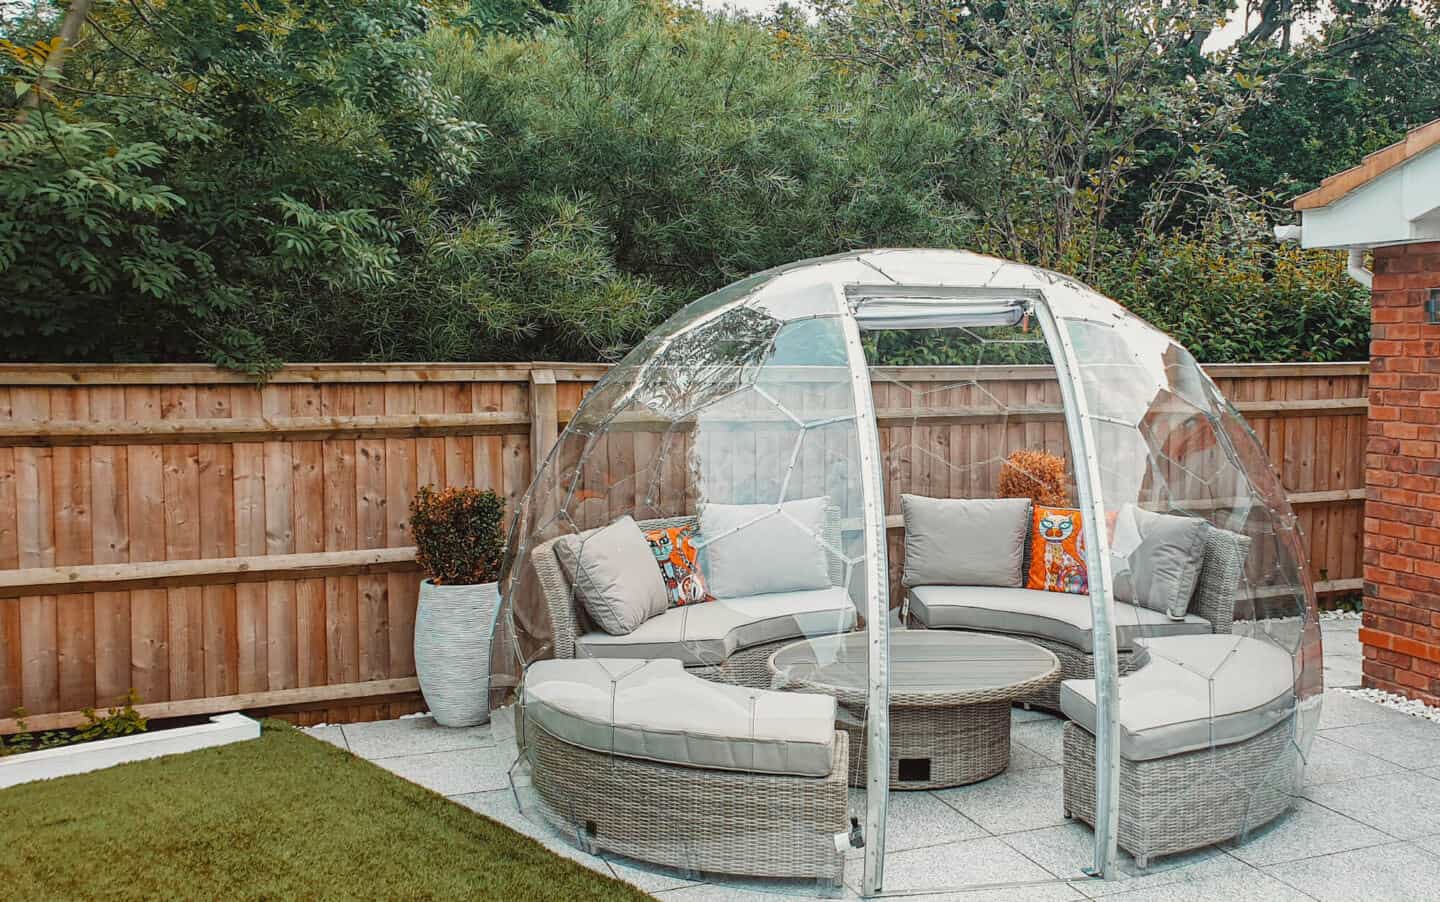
x: 1412, y: 679
x: 1417, y: 551
x: 1417, y: 449
x: 1397, y: 563
x: 1400, y: 430
x: 1394, y: 530
x: 1395, y: 496
x: 1417, y: 483
x: 1428, y: 416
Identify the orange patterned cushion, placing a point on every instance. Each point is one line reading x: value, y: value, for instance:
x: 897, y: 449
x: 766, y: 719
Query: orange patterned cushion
x: 674, y: 550
x: 1057, y: 551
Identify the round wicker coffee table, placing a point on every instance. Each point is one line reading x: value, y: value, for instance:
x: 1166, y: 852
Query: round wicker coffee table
x: 950, y: 696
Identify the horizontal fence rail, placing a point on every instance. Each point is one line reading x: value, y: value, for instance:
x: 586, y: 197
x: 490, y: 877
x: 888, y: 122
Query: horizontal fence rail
x: 215, y: 544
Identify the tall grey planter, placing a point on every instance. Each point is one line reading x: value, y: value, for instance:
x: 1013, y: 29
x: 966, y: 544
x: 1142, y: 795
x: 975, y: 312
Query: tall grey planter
x: 452, y: 651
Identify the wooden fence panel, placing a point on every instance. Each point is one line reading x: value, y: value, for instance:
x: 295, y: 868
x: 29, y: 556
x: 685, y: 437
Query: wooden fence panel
x: 213, y: 544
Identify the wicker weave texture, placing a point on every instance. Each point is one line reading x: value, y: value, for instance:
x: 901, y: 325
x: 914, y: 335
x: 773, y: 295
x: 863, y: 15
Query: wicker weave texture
x: 959, y: 744
x: 1190, y: 800
x: 724, y: 822
x: 1219, y: 580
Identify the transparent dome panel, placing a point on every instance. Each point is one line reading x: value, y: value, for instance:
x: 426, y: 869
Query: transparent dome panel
x: 701, y: 512
x: 1210, y: 597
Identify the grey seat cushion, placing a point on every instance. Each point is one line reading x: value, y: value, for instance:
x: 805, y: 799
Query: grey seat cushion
x: 1057, y: 616
x: 656, y: 711
x: 706, y: 634
x: 972, y: 542
x: 1192, y: 692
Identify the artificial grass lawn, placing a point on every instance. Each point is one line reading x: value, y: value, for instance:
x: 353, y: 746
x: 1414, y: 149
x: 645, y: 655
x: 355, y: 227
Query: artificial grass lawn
x: 281, y: 817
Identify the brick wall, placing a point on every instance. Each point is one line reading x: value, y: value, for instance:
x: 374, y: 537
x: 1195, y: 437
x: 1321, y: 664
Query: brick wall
x: 1401, y: 631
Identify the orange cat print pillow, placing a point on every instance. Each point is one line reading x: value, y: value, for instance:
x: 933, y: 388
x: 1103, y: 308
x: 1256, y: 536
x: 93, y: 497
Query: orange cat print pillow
x: 1057, y: 552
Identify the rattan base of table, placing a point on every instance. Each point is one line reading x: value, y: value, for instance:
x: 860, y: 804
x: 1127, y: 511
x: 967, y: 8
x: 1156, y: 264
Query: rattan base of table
x: 935, y: 748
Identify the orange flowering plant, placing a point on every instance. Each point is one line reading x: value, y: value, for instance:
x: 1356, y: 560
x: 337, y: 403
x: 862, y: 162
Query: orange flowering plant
x: 1037, y: 475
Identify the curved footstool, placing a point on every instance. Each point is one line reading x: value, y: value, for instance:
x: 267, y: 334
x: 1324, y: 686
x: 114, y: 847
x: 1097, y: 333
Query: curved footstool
x: 1207, y: 743
x: 645, y: 760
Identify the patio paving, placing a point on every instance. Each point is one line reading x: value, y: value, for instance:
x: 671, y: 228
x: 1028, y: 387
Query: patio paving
x: 1366, y: 828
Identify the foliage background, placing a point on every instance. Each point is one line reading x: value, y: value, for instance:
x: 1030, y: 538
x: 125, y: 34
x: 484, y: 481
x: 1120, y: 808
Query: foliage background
x: 251, y: 181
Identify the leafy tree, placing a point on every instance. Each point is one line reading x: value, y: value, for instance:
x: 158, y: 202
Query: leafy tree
x: 248, y: 181
x: 193, y: 155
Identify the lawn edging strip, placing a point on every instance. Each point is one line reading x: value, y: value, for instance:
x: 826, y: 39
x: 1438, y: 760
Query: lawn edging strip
x: 45, y: 764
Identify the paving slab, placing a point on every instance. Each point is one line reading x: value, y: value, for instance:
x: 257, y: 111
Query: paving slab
x: 412, y: 736
x: 1015, y: 800
x: 1047, y: 737
x: 1020, y: 715
x: 1305, y: 831
x: 1249, y: 885
x: 1066, y: 850
x: 1341, y: 709
x: 1331, y: 762
x: 1398, y: 871
x: 1430, y: 844
x: 1411, y: 742
x: 452, y: 773
x: 724, y: 892
x: 1022, y: 757
x: 1405, y: 804
x: 919, y: 819
x: 331, y: 733
x: 951, y: 866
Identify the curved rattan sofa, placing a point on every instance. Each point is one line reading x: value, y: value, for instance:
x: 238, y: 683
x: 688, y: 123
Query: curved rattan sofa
x: 642, y: 781
x: 744, y: 665
x: 1212, y: 609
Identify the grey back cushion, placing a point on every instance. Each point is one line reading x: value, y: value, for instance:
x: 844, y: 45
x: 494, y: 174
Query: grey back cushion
x: 614, y: 574
x: 757, y: 549
x: 1156, y: 559
x: 964, y: 542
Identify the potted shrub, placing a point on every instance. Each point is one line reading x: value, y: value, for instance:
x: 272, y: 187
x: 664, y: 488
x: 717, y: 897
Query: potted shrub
x: 458, y: 545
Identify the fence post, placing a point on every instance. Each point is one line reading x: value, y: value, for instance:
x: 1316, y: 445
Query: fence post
x: 544, y: 418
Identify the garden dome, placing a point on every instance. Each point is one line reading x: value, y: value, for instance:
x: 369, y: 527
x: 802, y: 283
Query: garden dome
x: 765, y: 583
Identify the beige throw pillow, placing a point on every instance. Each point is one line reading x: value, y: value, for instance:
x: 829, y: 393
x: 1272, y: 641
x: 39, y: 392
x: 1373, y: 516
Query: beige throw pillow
x: 1156, y: 559
x: 964, y: 541
x: 755, y: 549
x: 613, y: 573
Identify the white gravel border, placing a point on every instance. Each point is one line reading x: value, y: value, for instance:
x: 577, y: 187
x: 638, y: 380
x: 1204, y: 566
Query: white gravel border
x: 1395, y: 703
x: 1340, y: 615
